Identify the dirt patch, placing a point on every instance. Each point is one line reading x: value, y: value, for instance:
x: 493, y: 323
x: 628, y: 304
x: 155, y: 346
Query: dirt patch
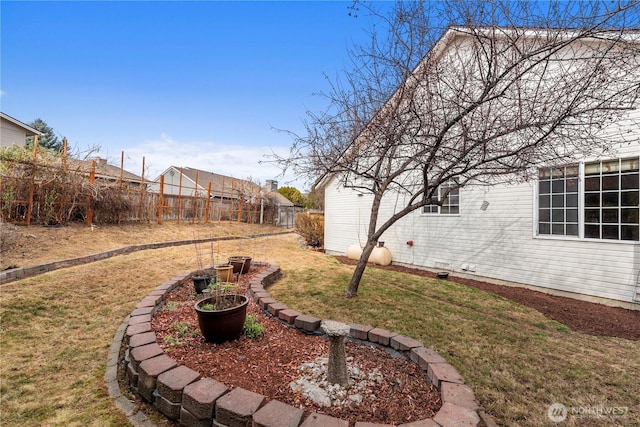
x: 581, y: 316
x: 268, y: 364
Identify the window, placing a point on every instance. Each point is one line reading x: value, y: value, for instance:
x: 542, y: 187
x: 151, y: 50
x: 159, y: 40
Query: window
x: 558, y: 201
x: 450, y: 202
x: 611, y: 200
x: 610, y: 195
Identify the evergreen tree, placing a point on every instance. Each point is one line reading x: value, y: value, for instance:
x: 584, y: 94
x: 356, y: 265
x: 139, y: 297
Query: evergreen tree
x: 48, y: 139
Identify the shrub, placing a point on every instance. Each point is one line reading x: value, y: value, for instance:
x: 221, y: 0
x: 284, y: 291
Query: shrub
x: 311, y: 228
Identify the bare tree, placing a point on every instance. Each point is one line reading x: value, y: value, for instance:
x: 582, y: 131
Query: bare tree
x: 506, y: 85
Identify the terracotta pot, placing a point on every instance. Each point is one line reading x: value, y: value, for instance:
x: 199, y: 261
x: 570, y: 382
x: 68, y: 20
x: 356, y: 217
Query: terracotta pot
x: 218, y: 326
x: 240, y: 263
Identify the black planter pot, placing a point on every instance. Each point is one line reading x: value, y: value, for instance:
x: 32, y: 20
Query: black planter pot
x: 241, y: 264
x: 200, y: 283
x: 218, y: 326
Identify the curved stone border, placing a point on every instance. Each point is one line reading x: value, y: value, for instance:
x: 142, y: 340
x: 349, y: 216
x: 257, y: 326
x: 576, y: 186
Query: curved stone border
x: 184, y: 396
x: 7, y: 276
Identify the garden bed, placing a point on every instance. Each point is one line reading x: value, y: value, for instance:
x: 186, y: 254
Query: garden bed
x: 268, y: 364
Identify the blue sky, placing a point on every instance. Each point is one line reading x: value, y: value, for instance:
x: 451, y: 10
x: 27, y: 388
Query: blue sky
x: 198, y: 84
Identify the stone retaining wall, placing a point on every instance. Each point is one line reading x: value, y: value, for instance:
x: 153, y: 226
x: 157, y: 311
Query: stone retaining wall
x: 14, y: 274
x: 185, y: 397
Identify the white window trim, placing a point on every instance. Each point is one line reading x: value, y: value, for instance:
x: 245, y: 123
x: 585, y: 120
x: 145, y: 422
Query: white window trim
x: 439, y: 214
x: 580, y: 237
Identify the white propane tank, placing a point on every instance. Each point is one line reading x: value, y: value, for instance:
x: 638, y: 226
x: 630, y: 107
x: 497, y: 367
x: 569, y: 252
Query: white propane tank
x: 354, y: 251
x: 380, y: 256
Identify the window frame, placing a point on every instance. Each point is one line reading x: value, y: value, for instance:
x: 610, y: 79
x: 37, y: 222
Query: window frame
x: 453, y: 195
x: 614, y: 191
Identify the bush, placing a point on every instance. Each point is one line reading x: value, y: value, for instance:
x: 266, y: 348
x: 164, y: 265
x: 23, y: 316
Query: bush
x: 311, y: 228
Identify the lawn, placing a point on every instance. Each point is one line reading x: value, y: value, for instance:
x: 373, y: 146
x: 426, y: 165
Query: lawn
x: 56, y: 330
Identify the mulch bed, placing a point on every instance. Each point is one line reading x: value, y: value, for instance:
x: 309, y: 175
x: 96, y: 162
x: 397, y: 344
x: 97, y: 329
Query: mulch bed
x: 581, y: 316
x: 268, y: 364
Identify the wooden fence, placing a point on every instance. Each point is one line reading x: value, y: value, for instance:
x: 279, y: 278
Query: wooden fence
x: 46, y: 189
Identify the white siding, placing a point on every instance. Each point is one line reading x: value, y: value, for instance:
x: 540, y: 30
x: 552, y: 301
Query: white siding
x: 498, y: 242
x: 11, y: 134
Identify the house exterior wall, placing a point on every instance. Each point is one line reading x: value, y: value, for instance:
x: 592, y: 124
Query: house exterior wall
x: 500, y: 242
x: 11, y: 134
x: 173, y: 186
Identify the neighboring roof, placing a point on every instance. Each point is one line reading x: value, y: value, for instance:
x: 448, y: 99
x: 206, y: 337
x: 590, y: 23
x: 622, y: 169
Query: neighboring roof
x: 104, y: 170
x: 30, y: 131
x: 279, y: 199
x: 220, y: 184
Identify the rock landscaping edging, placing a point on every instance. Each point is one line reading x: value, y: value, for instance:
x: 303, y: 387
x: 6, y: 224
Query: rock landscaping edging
x: 182, y: 395
x: 13, y: 274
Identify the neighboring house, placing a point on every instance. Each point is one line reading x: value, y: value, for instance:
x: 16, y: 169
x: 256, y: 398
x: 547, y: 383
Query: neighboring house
x: 195, y: 182
x: 285, y: 210
x: 106, y: 172
x: 14, y: 132
x: 574, y: 231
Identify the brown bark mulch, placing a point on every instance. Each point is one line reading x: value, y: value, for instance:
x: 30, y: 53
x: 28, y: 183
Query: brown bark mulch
x: 581, y: 316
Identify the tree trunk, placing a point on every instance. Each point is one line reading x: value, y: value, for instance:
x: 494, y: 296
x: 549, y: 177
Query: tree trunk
x: 352, y: 290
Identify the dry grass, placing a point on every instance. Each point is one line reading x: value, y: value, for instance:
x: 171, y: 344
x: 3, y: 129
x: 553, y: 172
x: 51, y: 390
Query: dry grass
x: 517, y: 361
x: 56, y: 330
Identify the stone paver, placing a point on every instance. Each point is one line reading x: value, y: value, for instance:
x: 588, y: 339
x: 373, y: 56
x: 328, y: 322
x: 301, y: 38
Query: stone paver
x: 424, y: 356
x: 403, y: 343
x: 275, y: 308
x: 138, y: 329
x: 199, y: 398
x: 133, y: 320
x: 142, y: 339
x: 459, y: 395
x: 171, y: 383
x: 381, y: 336
x: 289, y: 315
x: 144, y: 352
x: 439, y: 372
x: 359, y: 331
x: 236, y: 408
x: 368, y: 424
x: 421, y: 423
x: 277, y: 414
x: 148, y: 374
x: 451, y: 415
x: 187, y: 419
x: 321, y: 420
x: 265, y: 301
x: 307, y: 323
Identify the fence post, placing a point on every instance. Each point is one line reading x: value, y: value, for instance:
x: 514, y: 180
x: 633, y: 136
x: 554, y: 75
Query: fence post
x: 141, y: 193
x: 208, y: 203
x: 120, y: 184
x: 161, y: 199
x: 33, y: 180
x: 92, y: 180
x: 179, y: 196
x: 196, y: 198
x: 62, y: 219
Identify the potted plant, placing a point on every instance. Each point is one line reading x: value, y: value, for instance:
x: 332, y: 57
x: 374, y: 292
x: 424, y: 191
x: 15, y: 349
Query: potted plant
x: 202, y: 279
x: 221, y: 316
x: 241, y: 264
x: 204, y: 275
x: 224, y: 272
